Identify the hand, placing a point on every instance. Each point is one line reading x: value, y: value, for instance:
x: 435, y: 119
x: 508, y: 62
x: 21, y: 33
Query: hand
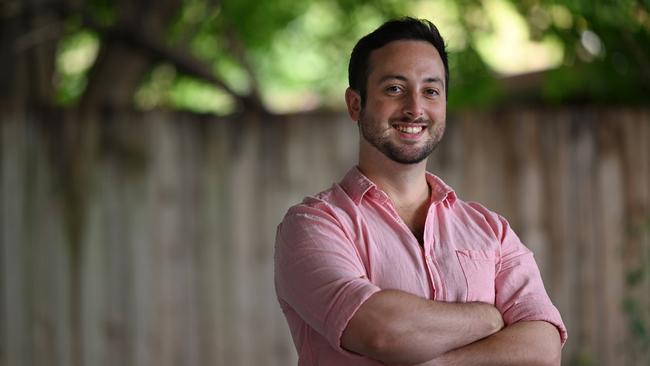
x: 497, y: 317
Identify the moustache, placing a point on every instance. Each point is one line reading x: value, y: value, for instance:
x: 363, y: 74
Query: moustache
x: 407, y: 119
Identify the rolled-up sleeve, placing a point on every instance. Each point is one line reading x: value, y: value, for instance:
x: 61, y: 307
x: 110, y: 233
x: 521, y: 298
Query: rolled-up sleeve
x: 520, y: 292
x: 318, y: 271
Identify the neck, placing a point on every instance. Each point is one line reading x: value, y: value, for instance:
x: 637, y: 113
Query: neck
x: 405, y: 184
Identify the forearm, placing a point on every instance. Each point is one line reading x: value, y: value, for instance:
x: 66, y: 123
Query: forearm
x: 400, y: 328
x: 523, y: 343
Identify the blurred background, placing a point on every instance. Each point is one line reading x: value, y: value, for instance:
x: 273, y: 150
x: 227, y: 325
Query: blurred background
x: 149, y: 149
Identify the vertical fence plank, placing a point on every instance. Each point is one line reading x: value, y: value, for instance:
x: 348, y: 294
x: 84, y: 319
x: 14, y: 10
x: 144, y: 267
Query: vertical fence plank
x: 559, y: 221
x: 610, y: 228
x: 14, y: 134
x: 586, y: 286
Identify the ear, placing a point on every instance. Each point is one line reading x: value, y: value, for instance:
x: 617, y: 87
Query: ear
x: 353, y: 101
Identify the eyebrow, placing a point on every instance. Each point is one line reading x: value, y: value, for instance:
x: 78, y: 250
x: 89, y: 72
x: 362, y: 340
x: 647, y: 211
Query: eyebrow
x: 403, y: 78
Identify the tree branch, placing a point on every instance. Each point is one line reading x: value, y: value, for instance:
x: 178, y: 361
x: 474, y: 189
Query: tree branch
x: 157, y: 51
x: 239, y: 51
x: 152, y: 48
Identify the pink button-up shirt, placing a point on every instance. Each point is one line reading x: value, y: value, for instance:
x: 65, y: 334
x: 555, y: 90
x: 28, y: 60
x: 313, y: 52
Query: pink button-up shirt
x: 334, y: 250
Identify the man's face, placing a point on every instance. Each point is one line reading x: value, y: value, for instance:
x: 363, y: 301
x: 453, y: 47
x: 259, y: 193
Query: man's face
x: 405, y: 110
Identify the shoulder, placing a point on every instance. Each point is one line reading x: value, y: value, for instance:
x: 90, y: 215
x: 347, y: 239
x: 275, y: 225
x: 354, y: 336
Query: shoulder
x: 480, y: 210
x: 319, y: 224
x: 327, y: 202
x: 329, y: 207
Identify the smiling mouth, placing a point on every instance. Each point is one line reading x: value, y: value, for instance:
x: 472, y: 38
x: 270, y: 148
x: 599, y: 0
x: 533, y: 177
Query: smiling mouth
x: 411, y: 130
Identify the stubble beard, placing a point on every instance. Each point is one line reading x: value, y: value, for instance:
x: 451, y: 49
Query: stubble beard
x: 405, y: 154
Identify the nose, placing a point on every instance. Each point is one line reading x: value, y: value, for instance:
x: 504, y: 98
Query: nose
x: 412, y: 105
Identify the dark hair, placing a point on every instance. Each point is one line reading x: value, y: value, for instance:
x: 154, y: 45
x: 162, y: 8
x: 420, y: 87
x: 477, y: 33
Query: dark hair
x: 406, y: 28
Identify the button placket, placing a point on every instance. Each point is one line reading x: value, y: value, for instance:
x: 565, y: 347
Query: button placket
x: 429, y: 253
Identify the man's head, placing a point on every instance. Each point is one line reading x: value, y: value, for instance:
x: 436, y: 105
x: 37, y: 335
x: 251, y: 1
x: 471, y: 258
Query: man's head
x: 399, y: 29
x: 397, y: 93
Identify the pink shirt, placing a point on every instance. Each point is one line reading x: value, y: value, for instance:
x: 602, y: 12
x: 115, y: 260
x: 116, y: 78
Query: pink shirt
x: 334, y: 250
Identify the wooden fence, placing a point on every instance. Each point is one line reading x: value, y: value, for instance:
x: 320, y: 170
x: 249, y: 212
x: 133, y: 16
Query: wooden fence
x: 147, y: 239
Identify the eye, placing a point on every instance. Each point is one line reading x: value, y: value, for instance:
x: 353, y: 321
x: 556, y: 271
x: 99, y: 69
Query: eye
x: 430, y: 92
x: 393, y: 89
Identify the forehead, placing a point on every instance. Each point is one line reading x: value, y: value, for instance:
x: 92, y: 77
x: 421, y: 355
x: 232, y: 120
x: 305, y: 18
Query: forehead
x: 407, y: 58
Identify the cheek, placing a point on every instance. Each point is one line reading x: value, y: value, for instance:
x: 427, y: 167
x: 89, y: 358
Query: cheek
x: 440, y: 110
x: 382, y: 107
x: 378, y: 114
x: 439, y: 124
x: 440, y: 115
x: 439, y: 131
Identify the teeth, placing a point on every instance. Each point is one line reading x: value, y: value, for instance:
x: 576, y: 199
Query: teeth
x: 408, y: 129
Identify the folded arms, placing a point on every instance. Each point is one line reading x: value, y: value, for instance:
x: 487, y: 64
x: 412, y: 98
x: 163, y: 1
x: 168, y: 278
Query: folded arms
x: 398, y: 328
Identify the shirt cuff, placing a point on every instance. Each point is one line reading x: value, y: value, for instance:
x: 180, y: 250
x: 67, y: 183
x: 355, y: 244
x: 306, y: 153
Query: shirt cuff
x: 355, y: 295
x: 534, y: 308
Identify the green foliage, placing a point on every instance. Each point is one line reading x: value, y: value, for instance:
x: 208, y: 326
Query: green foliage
x: 103, y: 11
x: 471, y: 82
x: 295, y: 54
x: 606, y: 48
x: 76, y: 54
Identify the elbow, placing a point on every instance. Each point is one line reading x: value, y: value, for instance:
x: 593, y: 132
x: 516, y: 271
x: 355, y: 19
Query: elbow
x: 373, y: 334
x: 555, y: 359
x: 554, y: 354
x: 548, y: 355
x: 382, y: 343
x: 375, y: 340
x: 548, y: 362
x: 392, y: 345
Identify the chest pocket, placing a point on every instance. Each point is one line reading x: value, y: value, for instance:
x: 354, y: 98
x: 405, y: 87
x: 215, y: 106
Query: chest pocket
x: 479, y: 268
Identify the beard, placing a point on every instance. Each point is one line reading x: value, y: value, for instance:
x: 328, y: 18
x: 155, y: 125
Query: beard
x: 404, y: 153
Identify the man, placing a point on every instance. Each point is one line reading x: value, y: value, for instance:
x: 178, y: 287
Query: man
x: 389, y: 266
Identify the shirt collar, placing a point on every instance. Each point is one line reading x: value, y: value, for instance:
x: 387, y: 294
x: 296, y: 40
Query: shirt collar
x: 356, y: 185
x: 440, y: 191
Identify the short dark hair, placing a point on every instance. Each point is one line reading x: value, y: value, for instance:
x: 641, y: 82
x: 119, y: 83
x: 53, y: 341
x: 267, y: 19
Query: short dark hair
x: 406, y: 28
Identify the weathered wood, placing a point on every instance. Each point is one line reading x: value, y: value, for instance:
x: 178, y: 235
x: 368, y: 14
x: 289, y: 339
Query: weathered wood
x: 14, y: 332
x: 177, y: 215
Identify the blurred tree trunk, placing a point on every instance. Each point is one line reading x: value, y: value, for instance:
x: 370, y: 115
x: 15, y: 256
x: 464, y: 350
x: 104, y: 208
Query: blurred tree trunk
x: 27, y: 54
x: 119, y: 69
